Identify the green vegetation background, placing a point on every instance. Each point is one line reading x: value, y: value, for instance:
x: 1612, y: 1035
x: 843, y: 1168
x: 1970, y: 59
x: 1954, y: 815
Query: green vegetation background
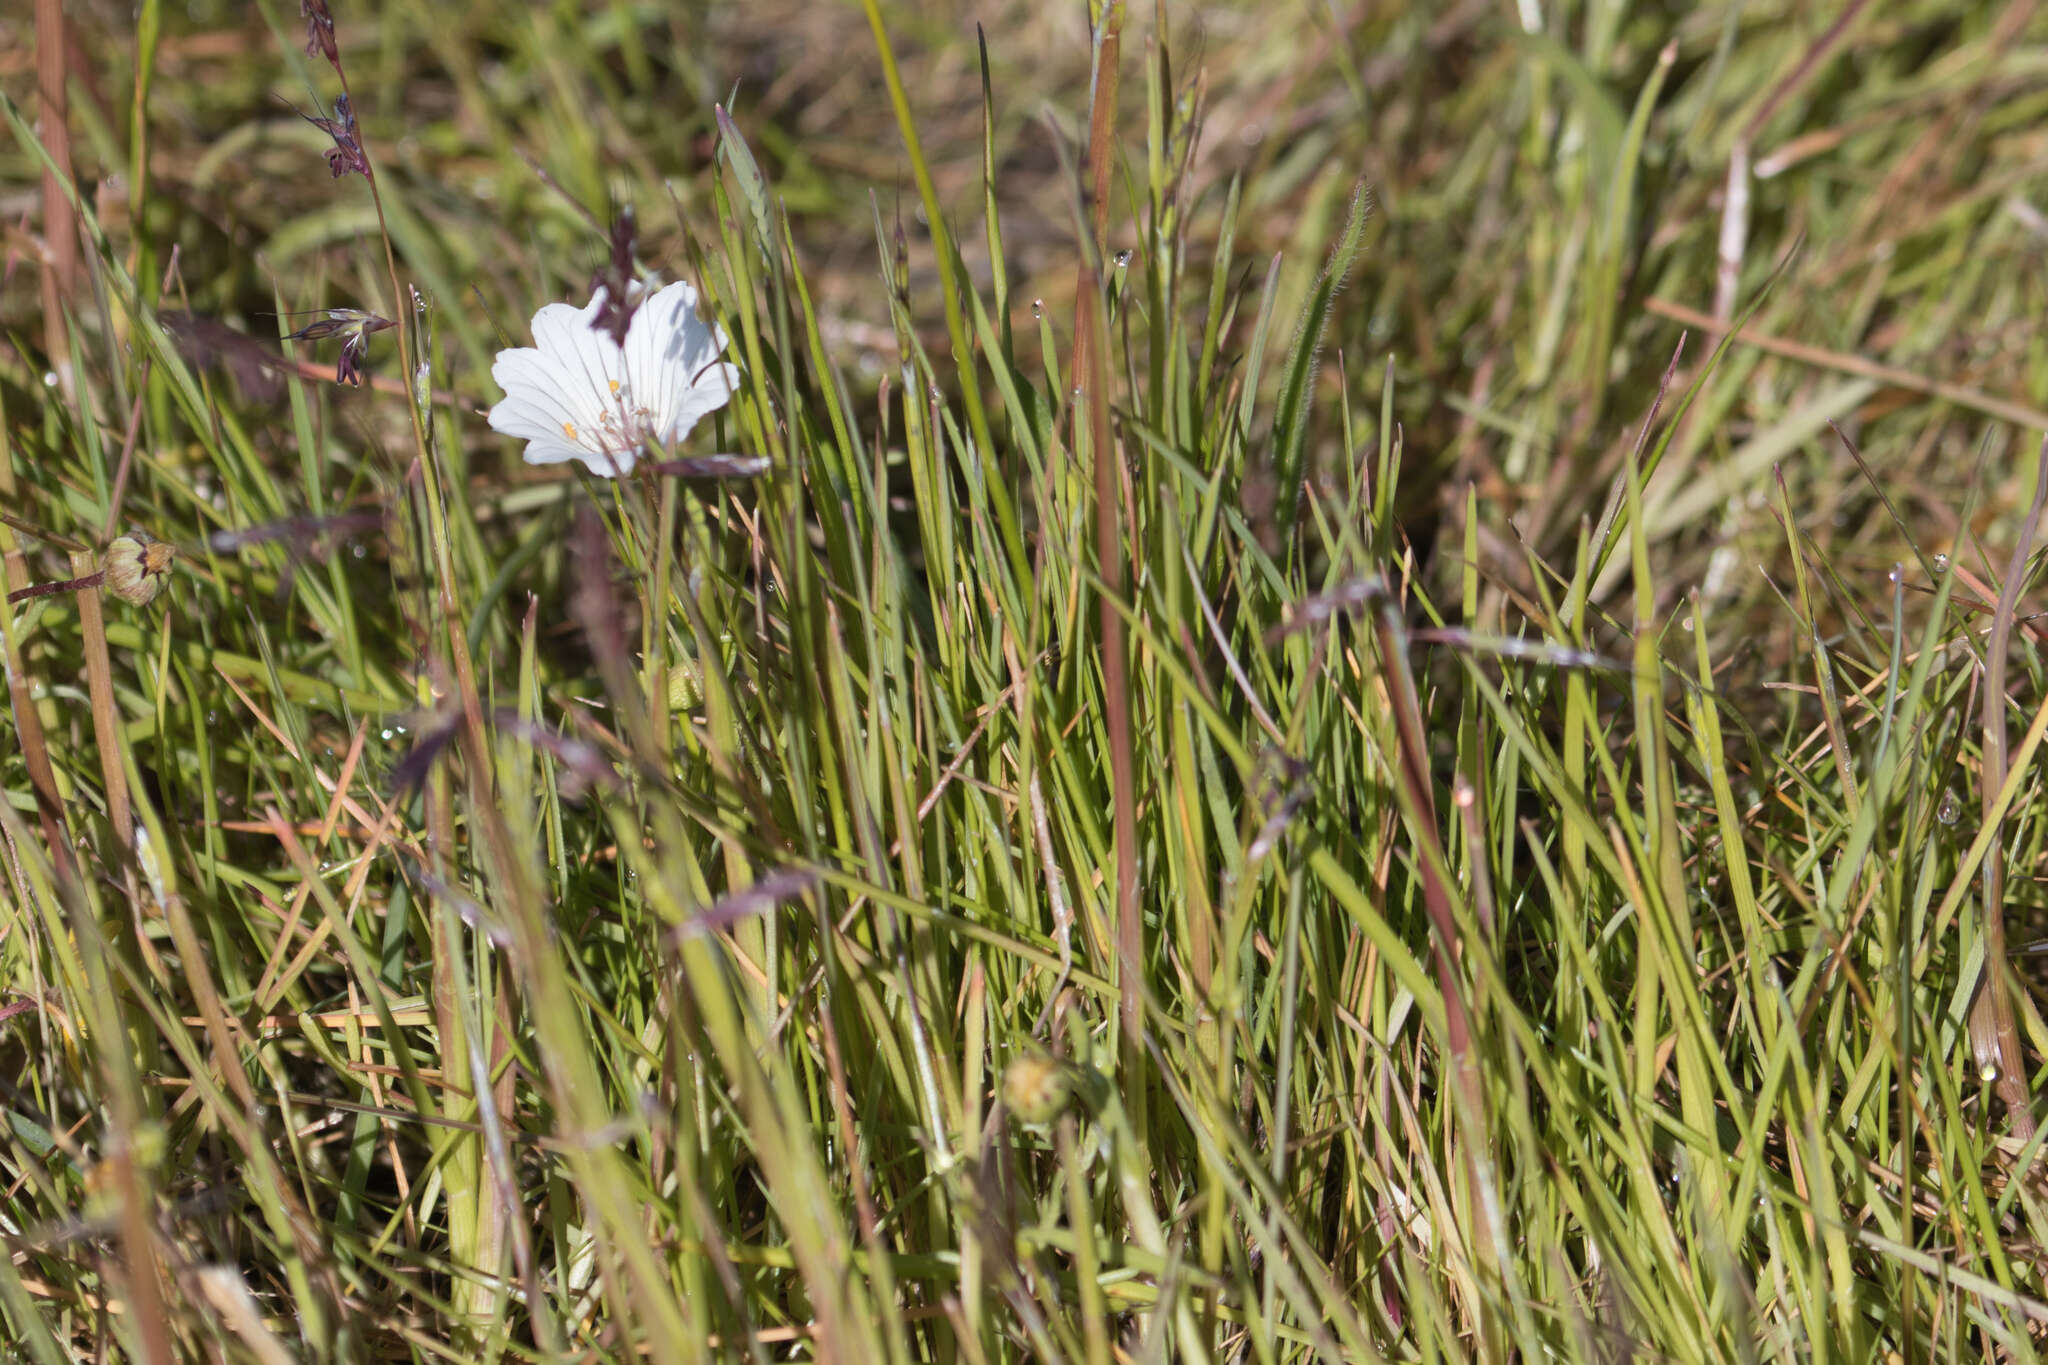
x: 1274, y: 771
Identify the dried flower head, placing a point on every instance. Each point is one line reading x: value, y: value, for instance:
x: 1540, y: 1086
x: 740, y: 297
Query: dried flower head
x: 615, y: 280
x: 135, y: 567
x: 320, y: 31
x: 346, y: 156
x: 578, y: 395
x: 1036, y: 1088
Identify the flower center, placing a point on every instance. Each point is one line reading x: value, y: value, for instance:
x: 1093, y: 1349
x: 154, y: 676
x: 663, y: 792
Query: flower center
x: 624, y: 426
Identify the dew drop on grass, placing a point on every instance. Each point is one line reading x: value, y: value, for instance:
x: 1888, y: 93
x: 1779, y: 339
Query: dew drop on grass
x: 49, y: 379
x: 1941, y: 563
x: 385, y: 734
x: 1038, y: 308
x: 1123, y: 258
x: 1950, y: 810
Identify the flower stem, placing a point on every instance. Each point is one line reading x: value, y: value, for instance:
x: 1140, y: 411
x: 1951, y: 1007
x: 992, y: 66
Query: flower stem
x: 51, y: 589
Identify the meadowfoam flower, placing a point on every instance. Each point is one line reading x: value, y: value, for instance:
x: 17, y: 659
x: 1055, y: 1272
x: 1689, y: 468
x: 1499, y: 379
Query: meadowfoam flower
x: 576, y: 394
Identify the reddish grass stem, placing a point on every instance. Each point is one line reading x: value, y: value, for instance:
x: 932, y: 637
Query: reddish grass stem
x: 1091, y: 371
x: 60, y: 226
x: 1992, y: 1028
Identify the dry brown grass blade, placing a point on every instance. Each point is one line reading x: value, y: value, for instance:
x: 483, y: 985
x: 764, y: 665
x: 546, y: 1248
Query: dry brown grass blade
x: 1735, y: 201
x: 1960, y: 394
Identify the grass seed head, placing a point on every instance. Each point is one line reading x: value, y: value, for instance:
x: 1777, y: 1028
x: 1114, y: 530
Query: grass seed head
x: 320, y: 31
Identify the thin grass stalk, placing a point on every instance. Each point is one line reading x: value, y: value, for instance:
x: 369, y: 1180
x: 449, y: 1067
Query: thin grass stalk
x: 477, y: 1217
x: 1105, y: 73
x: 28, y: 734
x: 1704, y: 706
x: 1604, y: 296
x: 951, y: 287
x: 148, y: 32
x: 1091, y: 373
x: 1206, y: 368
x: 406, y: 311
x: 1994, y: 1034
x: 60, y: 223
x: 999, y: 268
x: 106, y: 719
x: 1666, y: 944
x: 1081, y: 1225
x: 286, y: 1217
x: 1161, y: 276
x: 1735, y: 201
x: 128, y: 1134
x: 1823, y: 666
x: 1466, y: 1083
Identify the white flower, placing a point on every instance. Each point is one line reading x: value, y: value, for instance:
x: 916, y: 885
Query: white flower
x: 577, y: 395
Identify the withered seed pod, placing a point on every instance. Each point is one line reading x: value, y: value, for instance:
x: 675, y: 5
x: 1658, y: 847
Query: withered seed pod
x: 1036, y: 1088
x: 136, y: 566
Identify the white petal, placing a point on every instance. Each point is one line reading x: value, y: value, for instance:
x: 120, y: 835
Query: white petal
x: 586, y: 358
x: 555, y: 325
x: 569, y: 407
x: 608, y: 464
x: 692, y: 344
x: 712, y: 391
x: 522, y: 367
x: 517, y: 417
x: 667, y: 346
x: 553, y: 450
x: 659, y: 311
x: 647, y: 339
